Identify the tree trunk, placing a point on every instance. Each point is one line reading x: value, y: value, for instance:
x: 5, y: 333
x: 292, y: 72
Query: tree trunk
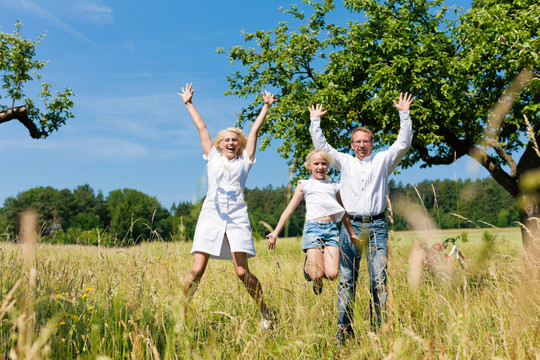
x: 529, y: 216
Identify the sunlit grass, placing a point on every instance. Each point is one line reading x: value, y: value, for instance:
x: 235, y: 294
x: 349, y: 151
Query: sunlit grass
x: 127, y: 303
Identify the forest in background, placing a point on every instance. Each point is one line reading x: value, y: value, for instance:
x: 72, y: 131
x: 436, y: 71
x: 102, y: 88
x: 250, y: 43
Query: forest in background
x: 127, y: 216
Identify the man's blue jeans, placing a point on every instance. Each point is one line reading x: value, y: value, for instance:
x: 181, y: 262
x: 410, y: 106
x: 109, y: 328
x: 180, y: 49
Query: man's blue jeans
x: 377, y: 257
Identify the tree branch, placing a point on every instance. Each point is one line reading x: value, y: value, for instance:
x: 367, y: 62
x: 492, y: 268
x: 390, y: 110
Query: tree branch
x: 507, y: 181
x: 432, y: 160
x: 310, y: 73
x: 21, y: 113
x: 460, y: 148
x: 504, y: 155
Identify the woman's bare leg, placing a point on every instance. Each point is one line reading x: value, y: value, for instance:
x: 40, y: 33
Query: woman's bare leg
x: 251, y: 282
x: 200, y: 260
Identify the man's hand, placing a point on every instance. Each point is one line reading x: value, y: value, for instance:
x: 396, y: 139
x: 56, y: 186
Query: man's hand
x: 316, y: 111
x: 404, y: 102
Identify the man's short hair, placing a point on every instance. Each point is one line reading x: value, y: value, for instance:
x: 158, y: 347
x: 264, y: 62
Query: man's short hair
x: 363, y: 129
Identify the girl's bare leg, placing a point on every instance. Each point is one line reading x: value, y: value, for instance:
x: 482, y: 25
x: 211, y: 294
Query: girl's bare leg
x: 315, y: 264
x: 251, y: 282
x: 331, y: 262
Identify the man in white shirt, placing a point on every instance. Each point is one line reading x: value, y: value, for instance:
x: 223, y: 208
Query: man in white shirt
x: 363, y: 188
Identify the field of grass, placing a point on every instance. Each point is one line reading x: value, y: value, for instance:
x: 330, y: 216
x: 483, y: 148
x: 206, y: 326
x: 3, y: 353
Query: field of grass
x: 119, y: 303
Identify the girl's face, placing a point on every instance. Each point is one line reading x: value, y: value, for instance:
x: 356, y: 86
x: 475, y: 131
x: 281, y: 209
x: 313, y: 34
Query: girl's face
x: 230, y: 145
x: 318, y: 166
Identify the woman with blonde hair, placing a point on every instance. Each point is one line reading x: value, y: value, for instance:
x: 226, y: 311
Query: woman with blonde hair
x: 323, y: 209
x: 223, y: 229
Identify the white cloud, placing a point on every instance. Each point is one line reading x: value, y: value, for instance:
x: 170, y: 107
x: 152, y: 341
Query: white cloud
x: 93, y: 10
x: 92, y: 148
x: 56, y: 21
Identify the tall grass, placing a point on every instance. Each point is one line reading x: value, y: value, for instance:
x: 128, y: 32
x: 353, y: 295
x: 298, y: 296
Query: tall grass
x: 125, y: 303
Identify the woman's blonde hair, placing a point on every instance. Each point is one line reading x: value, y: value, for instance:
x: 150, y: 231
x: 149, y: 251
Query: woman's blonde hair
x: 241, y: 139
x: 325, y: 155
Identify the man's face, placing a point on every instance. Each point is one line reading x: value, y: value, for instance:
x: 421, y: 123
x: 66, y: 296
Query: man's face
x: 362, y: 144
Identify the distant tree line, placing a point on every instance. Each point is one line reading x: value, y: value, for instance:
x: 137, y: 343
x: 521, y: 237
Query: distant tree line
x: 461, y: 204
x: 128, y: 216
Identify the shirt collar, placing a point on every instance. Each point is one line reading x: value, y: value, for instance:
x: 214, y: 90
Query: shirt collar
x: 367, y: 158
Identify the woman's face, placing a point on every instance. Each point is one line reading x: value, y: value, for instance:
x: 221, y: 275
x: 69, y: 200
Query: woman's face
x: 318, y: 166
x: 230, y: 145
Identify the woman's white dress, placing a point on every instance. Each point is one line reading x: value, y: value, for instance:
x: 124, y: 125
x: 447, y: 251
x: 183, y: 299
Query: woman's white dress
x: 224, y: 211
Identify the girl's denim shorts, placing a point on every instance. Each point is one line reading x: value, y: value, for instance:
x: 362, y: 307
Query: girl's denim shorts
x: 318, y: 234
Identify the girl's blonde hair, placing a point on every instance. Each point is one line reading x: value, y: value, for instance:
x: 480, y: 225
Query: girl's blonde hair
x: 241, y: 139
x: 325, y: 155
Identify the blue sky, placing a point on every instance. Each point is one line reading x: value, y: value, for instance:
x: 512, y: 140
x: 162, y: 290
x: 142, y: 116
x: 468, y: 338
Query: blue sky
x: 125, y: 61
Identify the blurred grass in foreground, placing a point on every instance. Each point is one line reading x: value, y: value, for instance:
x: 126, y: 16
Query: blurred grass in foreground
x: 125, y: 303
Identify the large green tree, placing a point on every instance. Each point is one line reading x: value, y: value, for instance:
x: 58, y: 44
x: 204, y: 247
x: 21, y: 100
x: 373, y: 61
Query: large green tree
x: 474, y: 74
x: 135, y: 216
x: 17, y: 68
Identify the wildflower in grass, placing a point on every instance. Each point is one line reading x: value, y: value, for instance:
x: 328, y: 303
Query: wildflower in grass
x: 91, y: 308
x: 62, y: 323
x: 62, y: 294
x: 88, y: 289
x: 84, y: 296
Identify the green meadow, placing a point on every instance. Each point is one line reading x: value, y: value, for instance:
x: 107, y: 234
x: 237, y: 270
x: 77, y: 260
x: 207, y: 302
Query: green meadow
x: 90, y: 302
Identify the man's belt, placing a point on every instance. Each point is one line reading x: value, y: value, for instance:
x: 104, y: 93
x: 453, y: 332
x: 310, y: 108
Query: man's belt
x: 367, y: 219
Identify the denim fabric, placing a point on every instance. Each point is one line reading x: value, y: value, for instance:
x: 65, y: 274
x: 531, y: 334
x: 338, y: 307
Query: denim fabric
x: 376, y: 256
x: 320, y: 234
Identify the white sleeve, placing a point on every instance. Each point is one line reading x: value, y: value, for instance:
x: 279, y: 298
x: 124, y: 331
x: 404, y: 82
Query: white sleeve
x: 319, y: 142
x: 403, y: 143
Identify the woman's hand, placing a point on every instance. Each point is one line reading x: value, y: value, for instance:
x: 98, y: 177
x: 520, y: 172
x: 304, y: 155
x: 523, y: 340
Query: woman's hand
x: 272, y: 237
x: 187, y: 94
x: 268, y: 98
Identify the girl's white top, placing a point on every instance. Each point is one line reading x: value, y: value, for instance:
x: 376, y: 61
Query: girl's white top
x: 224, y: 211
x: 321, y: 201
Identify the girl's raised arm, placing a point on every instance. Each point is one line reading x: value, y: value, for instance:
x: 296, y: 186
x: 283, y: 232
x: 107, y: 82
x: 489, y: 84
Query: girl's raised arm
x: 206, y: 140
x: 251, y: 146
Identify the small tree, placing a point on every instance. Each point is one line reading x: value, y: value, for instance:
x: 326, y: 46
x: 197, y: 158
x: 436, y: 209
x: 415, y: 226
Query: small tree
x: 17, y: 67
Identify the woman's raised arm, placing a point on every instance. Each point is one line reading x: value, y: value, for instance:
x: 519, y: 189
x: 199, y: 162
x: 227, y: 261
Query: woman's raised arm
x: 187, y: 96
x: 251, y: 146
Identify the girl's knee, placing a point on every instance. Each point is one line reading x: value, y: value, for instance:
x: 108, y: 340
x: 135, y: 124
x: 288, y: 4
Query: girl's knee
x: 315, y: 273
x: 331, y: 275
